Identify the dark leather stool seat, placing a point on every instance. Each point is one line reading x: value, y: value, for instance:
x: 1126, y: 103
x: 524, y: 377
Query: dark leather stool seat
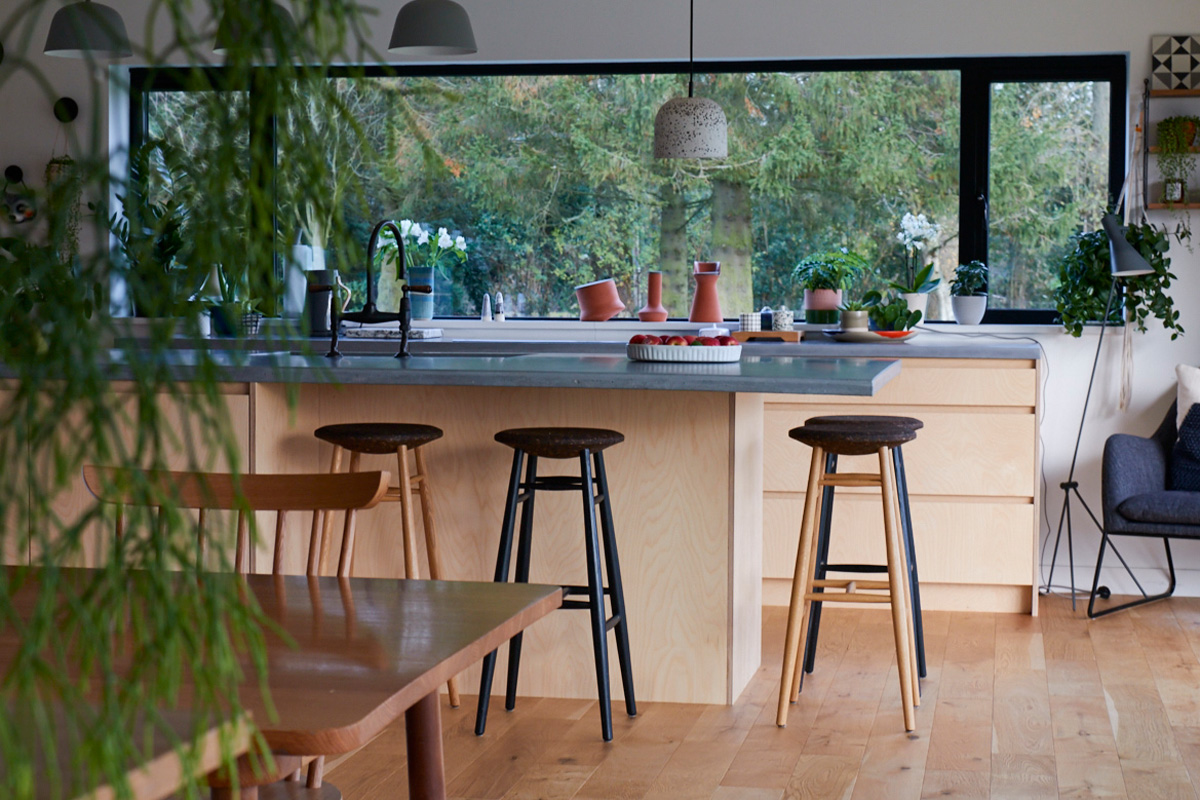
x: 378, y: 438
x: 559, y: 442
x: 587, y: 445
x: 866, y: 420
x: 852, y: 439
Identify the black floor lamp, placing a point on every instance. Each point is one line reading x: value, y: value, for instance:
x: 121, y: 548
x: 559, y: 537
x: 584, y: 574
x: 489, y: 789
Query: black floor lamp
x: 1125, y: 262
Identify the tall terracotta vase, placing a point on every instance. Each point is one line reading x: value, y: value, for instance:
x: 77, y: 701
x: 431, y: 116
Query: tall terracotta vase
x: 653, y: 311
x: 706, y: 306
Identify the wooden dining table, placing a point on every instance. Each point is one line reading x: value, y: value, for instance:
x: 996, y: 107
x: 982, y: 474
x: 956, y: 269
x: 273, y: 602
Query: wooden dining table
x: 353, y: 654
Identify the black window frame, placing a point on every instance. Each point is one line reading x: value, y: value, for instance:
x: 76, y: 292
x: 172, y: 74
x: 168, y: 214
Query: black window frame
x: 977, y: 74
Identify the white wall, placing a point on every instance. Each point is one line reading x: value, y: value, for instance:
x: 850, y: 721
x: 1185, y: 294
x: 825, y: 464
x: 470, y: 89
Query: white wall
x: 531, y: 30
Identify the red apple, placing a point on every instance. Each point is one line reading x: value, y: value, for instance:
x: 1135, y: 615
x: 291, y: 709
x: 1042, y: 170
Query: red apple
x: 727, y: 341
x: 707, y: 341
x: 676, y: 340
x: 652, y: 339
x: 690, y: 339
x: 638, y: 338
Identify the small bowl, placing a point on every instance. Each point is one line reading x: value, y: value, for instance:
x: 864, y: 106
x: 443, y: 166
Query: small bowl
x: 598, y: 300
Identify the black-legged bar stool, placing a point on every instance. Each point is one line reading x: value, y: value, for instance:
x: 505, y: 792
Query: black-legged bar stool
x: 588, y: 445
x: 398, y: 439
x: 910, y: 551
x: 851, y: 439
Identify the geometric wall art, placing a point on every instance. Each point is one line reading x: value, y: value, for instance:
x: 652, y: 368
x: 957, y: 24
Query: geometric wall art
x: 1175, y: 62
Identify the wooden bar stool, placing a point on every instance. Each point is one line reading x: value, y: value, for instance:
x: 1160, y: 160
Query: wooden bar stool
x: 586, y: 444
x: 851, y: 439
x: 387, y: 438
x: 823, y: 532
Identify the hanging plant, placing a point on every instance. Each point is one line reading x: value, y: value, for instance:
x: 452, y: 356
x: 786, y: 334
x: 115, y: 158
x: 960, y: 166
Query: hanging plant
x: 1175, y: 159
x: 1085, y: 277
x: 64, y: 194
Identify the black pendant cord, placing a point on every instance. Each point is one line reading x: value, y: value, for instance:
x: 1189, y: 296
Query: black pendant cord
x: 691, y: 44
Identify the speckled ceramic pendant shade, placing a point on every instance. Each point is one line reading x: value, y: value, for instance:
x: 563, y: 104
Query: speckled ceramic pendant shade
x: 85, y: 29
x: 690, y: 127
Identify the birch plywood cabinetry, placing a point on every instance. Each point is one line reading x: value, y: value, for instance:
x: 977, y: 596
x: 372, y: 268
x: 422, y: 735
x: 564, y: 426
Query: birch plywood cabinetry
x: 972, y: 474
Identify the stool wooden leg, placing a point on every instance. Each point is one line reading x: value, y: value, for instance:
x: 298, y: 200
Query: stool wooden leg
x: 910, y: 553
x: 792, y: 646
x: 431, y: 542
x: 896, y: 580
x: 898, y: 524
x: 615, y: 587
x: 812, y: 606
x: 503, y: 559
x: 524, y: 547
x: 327, y: 516
x: 408, y: 534
x: 819, y: 570
x: 596, y: 596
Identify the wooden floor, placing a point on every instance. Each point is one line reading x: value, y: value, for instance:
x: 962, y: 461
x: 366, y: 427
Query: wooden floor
x: 1013, y: 707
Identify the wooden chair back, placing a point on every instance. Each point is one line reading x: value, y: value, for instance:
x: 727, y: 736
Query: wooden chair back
x: 319, y: 493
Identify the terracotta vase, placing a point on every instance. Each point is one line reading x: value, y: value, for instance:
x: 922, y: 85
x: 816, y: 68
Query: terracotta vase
x: 706, y: 306
x: 598, y: 300
x: 653, y: 310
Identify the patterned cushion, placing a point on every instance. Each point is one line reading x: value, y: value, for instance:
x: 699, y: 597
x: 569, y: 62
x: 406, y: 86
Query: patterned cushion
x: 1185, y: 457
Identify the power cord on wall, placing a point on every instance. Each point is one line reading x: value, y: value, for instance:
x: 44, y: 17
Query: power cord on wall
x: 1044, y: 588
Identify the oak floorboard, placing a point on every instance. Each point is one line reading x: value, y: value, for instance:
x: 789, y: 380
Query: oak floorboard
x: 1053, y: 706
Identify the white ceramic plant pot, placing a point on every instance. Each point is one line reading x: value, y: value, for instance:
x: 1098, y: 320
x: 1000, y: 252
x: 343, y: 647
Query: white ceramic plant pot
x: 855, y: 320
x: 916, y: 302
x: 969, y: 310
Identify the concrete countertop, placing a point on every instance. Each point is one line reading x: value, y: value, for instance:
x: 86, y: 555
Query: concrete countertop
x: 753, y: 373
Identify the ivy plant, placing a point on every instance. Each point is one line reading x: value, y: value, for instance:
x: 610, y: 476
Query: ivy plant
x: 1085, y: 277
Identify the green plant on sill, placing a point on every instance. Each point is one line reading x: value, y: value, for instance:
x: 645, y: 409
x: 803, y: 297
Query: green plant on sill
x: 891, y: 314
x: 922, y: 282
x: 970, y: 280
x: 59, y: 410
x: 869, y: 301
x: 831, y: 269
x: 1085, y: 278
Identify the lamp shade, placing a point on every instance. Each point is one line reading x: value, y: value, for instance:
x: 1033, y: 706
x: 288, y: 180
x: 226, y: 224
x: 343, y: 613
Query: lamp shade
x: 690, y: 127
x: 232, y: 29
x: 1127, y: 262
x: 432, y: 28
x: 87, y: 29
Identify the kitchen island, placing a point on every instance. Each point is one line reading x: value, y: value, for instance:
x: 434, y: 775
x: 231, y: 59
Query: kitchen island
x: 706, y: 453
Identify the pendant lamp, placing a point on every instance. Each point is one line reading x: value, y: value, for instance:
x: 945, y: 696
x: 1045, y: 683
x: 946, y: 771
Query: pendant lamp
x: 231, y: 29
x: 87, y: 29
x: 432, y: 28
x: 690, y: 127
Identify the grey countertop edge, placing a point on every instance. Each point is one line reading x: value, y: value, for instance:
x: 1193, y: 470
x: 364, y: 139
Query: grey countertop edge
x: 865, y: 378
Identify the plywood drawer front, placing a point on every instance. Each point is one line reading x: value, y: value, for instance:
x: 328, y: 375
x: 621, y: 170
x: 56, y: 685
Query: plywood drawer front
x: 954, y: 454
x: 949, y: 382
x: 957, y: 542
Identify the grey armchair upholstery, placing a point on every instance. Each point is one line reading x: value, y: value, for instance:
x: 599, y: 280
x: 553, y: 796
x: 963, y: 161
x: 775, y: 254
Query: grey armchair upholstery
x: 1137, y: 502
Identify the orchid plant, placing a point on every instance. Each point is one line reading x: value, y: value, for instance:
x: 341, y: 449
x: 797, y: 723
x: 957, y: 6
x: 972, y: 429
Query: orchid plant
x: 421, y: 248
x: 917, y: 234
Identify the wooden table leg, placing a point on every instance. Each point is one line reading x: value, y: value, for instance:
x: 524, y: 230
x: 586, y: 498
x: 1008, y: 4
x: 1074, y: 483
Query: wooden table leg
x: 426, y: 769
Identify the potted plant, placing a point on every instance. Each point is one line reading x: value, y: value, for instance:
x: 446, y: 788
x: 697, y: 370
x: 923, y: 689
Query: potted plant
x: 823, y: 276
x: 855, y: 314
x: 968, y: 292
x: 917, y: 234
x: 237, y: 311
x: 1085, y: 277
x: 1174, y: 157
x: 892, y: 314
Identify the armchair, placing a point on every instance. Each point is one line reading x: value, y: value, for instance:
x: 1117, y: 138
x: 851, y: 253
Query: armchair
x: 1137, y: 502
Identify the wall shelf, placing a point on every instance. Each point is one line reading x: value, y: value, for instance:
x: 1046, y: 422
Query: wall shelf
x: 1172, y: 206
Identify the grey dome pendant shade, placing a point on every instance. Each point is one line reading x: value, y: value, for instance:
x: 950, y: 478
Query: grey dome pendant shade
x: 690, y: 127
x: 231, y: 29
x: 86, y: 29
x: 432, y: 28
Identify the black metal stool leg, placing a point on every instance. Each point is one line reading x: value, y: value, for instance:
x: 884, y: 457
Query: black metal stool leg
x: 826, y: 525
x: 522, y: 576
x: 910, y: 548
x: 596, y: 595
x: 501, y: 576
x: 615, y: 588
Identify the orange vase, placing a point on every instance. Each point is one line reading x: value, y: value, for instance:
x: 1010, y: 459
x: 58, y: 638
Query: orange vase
x: 653, y: 310
x: 706, y: 306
